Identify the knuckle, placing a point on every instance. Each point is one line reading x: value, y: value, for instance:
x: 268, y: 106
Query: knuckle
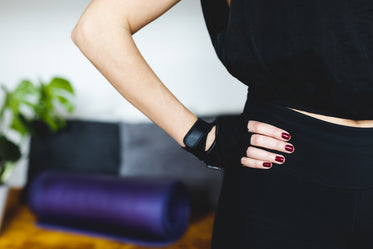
x: 255, y: 139
x: 275, y: 132
x: 259, y: 164
x: 280, y: 145
x: 252, y: 164
x: 245, y: 162
x: 249, y: 150
x: 254, y: 125
x: 249, y: 124
x: 269, y: 156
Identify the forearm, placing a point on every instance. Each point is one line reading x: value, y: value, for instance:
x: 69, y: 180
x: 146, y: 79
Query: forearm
x: 113, y: 52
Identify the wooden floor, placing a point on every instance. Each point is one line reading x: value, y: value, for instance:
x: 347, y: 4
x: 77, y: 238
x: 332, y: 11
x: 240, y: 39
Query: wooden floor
x: 21, y: 233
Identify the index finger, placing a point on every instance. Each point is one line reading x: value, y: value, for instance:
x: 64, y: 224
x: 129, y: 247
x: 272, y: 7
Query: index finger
x: 268, y: 130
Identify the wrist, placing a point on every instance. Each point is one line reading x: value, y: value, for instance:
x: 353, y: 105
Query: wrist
x: 210, y: 138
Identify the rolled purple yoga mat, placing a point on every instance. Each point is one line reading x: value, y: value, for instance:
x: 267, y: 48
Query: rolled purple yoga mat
x: 143, y: 211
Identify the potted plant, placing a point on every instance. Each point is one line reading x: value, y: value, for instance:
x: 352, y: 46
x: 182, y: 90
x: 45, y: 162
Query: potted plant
x: 29, y: 105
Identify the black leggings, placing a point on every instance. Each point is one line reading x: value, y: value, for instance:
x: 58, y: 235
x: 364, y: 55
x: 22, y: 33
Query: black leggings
x: 320, y: 198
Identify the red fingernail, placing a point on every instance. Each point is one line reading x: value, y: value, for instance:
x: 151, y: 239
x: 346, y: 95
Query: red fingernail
x: 285, y: 136
x: 266, y: 164
x: 280, y: 159
x: 289, y: 148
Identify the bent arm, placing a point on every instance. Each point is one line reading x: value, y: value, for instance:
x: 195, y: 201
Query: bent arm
x: 104, y: 35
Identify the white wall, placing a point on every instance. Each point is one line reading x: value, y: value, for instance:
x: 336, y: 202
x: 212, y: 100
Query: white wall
x: 36, y: 44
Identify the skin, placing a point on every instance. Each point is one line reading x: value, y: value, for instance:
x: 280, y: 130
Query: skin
x: 104, y: 35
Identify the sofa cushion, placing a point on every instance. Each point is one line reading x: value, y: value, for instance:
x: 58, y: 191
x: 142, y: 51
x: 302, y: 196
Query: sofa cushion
x: 82, y: 146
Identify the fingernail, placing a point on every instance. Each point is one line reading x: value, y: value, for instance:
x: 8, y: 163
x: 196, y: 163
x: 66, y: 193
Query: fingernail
x: 280, y: 159
x: 285, y: 136
x: 289, y: 148
x: 266, y: 164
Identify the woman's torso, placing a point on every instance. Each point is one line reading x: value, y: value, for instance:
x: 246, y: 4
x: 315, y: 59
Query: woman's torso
x: 332, y: 119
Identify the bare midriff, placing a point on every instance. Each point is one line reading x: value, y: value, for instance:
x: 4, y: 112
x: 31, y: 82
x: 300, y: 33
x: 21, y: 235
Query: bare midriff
x: 340, y: 121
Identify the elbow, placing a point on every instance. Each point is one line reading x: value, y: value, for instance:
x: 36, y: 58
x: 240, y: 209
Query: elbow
x: 83, y: 33
x: 75, y: 35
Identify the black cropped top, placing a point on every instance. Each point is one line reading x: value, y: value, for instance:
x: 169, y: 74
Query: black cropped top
x: 312, y: 55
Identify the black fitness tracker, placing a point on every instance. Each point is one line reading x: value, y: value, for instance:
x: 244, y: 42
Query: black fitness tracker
x: 195, y: 139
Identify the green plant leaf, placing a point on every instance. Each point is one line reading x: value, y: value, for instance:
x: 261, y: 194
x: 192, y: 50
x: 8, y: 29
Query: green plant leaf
x: 18, y: 125
x: 51, y: 122
x: 13, y: 103
x: 29, y: 104
x: 45, y: 108
x: 24, y: 94
x: 56, y: 92
x: 42, y: 99
x: 6, y: 171
x: 9, y: 151
x: 24, y: 89
x: 61, y: 84
x: 66, y: 103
